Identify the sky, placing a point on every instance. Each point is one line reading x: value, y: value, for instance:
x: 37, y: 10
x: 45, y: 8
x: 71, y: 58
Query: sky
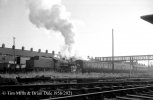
x: 93, y: 21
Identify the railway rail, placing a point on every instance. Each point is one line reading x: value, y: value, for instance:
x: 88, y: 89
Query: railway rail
x: 68, y: 91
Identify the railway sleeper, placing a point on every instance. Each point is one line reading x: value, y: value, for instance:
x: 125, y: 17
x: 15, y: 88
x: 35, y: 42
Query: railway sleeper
x: 117, y: 87
x: 149, y: 92
x: 139, y: 97
x: 145, y: 94
x: 125, y: 98
x: 90, y: 90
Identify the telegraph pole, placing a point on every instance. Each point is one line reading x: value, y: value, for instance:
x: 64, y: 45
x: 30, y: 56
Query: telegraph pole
x: 14, y: 49
x: 112, y: 51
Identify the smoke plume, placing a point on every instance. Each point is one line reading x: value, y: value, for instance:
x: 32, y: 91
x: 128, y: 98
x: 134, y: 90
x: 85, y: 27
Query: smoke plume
x: 52, y: 15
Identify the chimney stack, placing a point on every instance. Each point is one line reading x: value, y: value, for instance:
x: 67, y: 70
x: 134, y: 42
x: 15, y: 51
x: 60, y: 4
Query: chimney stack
x: 39, y: 50
x: 3, y: 45
x: 46, y: 51
x: 31, y: 49
x: 13, y: 47
x: 53, y: 53
x: 22, y: 48
x: 59, y: 54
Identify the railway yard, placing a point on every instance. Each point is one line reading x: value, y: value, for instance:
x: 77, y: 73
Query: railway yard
x: 84, y: 89
x: 42, y: 76
x: 66, y: 74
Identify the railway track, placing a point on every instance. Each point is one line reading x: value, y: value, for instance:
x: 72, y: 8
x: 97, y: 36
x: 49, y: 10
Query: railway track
x: 123, y: 90
x: 135, y: 93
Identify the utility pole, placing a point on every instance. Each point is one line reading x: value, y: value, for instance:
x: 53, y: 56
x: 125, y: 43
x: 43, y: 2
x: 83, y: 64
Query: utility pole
x: 14, y: 49
x: 112, y: 51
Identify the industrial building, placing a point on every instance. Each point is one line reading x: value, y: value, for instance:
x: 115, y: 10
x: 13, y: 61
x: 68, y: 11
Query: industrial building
x: 17, y: 58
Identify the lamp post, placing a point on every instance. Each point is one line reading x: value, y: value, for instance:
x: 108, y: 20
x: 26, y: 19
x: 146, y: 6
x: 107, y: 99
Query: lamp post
x: 112, y: 51
x: 14, y: 49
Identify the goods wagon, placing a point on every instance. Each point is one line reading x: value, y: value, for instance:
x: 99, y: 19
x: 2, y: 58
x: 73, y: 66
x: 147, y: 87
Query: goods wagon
x: 22, y: 60
x: 4, y: 66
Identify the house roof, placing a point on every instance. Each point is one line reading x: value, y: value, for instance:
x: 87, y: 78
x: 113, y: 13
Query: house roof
x: 23, y: 53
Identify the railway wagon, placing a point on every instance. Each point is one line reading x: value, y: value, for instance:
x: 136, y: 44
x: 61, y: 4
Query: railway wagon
x: 22, y: 60
x: 4, y: 66
x: 7, y: 63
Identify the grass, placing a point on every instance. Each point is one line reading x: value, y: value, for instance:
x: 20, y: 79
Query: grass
x: 73, y: 75
x: 11, y: 78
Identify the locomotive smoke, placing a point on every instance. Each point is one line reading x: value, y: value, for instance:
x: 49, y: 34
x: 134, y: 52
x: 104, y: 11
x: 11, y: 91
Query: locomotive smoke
x: 52, y: 15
